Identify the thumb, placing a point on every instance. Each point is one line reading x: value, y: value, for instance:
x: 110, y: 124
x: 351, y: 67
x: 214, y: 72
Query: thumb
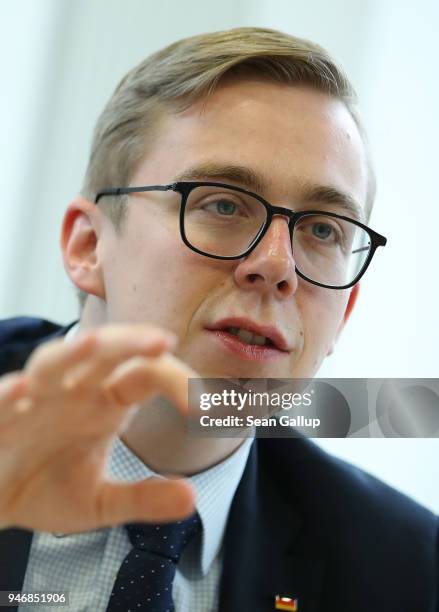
x: 153, y: 500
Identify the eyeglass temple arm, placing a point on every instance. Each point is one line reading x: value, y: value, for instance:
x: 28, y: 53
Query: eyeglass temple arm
x: 115, y: 191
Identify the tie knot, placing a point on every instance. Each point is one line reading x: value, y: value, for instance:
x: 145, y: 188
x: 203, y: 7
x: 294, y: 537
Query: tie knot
x: 166, y: 539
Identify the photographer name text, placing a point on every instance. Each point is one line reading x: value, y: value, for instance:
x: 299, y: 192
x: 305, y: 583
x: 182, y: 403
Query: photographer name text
x: 251, y: 421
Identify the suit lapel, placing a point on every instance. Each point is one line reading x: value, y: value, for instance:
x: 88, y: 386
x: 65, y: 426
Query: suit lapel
x: 14, y: 552
x: 18, y: 341
x: 267, y: 551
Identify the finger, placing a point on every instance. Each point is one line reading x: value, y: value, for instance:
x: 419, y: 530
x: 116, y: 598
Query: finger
x: 12, y: 387
x: 48, y: 362
x: 139, y: 378
x: 153, y: 500
x: 115, y: 345
x: 13, y: 401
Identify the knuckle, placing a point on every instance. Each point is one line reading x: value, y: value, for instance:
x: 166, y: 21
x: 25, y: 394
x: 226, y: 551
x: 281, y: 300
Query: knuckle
x: 7, y: 385
x: 138, y: 363
x: 9, y: 379
x: 41, y: 354
x: 115, y: 396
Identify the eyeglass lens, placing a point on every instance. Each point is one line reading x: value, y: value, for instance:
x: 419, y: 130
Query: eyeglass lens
x: 224, y: 222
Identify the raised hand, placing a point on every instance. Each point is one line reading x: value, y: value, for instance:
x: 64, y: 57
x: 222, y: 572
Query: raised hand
x: 59, y: 418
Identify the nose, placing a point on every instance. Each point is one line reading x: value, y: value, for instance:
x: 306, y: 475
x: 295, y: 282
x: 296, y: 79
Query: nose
x: 270, y: 267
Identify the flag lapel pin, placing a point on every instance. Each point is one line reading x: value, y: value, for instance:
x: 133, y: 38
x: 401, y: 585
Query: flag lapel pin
x: 286, y: 603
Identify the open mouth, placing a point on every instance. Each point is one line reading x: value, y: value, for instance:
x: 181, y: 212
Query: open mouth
x: 249, y: 340
x: 249, y: 337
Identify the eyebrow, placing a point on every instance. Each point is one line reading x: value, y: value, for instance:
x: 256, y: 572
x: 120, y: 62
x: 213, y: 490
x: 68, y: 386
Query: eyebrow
x: 248, y: 178
x: 214, y: 171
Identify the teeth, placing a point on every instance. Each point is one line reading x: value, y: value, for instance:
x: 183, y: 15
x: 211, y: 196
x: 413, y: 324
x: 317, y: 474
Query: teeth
x: 247, y: 336
x: 259, y: 339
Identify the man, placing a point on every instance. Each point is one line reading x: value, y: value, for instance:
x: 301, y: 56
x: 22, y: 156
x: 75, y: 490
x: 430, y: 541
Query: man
x: 221, y: 231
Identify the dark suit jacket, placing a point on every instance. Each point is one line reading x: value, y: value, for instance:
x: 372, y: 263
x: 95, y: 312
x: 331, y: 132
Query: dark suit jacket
x: 302, y: 524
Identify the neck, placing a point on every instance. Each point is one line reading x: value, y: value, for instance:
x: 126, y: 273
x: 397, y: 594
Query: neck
x: 157, y: 433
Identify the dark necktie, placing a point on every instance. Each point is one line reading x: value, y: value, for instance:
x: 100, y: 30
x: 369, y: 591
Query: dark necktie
x: 144, y: 581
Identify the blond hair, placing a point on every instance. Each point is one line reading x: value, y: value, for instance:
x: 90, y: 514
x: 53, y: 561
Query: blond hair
x: 188, y: 70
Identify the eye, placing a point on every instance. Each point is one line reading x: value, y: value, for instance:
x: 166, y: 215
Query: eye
x: 322, y: 230
x: 223, y: 207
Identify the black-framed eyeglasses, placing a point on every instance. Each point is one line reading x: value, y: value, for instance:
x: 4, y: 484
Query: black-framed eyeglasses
x: 227, y: 222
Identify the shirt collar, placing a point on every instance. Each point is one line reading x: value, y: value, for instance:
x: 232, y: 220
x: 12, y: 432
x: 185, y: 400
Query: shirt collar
x: 214, y: 490
x: 215, y: 487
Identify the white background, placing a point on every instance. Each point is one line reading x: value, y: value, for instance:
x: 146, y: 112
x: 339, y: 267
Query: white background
x: 60, y: 61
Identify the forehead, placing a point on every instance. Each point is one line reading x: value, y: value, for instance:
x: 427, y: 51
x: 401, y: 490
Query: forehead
x: 290, y: 135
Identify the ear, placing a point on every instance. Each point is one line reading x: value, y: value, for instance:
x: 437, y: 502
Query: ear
x: 353, y: 295
x: 80, y: 234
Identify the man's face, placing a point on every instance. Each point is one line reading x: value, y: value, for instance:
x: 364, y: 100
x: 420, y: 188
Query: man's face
x: 289, y: 135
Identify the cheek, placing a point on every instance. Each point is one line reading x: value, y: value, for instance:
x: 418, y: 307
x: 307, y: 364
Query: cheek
x: 322, y: 312
x: 140, y: 270
x: 155, y: 278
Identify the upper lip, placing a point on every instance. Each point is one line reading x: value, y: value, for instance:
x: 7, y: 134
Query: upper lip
x: 269, y: 331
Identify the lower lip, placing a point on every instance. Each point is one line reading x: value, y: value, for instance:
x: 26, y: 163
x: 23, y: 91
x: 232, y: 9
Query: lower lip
x: 249, y: 352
